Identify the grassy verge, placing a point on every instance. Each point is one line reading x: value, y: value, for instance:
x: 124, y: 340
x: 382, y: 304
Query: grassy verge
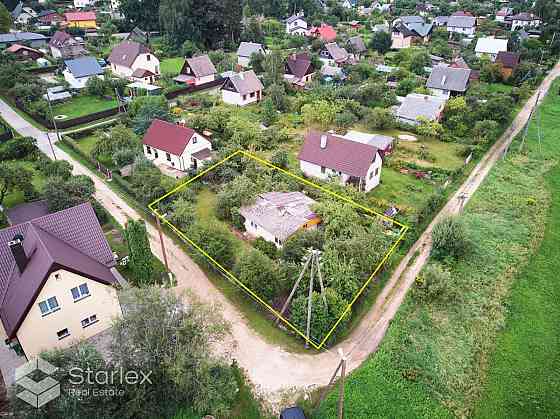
x: 524, y: 371
x: 434, y: 358
x: 83, y: 105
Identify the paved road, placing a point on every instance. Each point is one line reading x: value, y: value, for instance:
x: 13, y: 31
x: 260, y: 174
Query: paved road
x: 271, y: 368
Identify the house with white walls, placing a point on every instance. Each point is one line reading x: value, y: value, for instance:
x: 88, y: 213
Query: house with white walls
x: 78, y: 71
x: 445, y: 81
x: 175, y: 146
x: 245, y: 50
x: 490, y: 47
x: 326, y: 155
x: 463, y: 25
x: 242, y: 88
x: 134, y: 61
x: 524, y: 20
x: 80, y: 4
x: 275, y: 216
x: 196, y: 71
x: 296, y: 25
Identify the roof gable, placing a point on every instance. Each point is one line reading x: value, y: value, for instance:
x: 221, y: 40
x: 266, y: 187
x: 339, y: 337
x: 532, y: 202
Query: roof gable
x: 340, y: 154
x: 167, y: 136
x: 245, y: 82
x: 83, y: 67
x: 449, y: 78
x: 126, y: 53
x: 299, y: 65
x: 200, y: 66
x: 246, y: 49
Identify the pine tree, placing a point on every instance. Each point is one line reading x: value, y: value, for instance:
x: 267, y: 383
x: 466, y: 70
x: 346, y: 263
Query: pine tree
x: 140, y: 263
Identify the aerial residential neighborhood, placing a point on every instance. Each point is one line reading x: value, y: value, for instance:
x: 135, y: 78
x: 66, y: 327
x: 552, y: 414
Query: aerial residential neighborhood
x: 295, y: 210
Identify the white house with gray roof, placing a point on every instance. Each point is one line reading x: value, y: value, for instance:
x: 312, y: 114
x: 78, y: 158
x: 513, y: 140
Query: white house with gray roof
x: 242, y: 88
x: 296, y: 25
x: 79, y: 70
x: 415, y: 106
x: 464, y: 25
x: 275, y: 216
x: 445, y: 81
x: 490, y: 47
x: 245, y: 50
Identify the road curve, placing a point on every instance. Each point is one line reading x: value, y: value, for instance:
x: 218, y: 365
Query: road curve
x: 269, y: 367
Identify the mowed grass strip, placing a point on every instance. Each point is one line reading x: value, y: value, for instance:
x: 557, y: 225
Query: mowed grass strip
x: 433, y: 361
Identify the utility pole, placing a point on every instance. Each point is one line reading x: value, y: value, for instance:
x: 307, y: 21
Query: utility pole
x: 529, y: 122
x: 341, y: 385
x: 54, y: 124
x: 162, y: 245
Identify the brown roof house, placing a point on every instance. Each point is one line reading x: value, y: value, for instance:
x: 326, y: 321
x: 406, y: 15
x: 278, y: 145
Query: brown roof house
x: 134, y: 61
x: 334, y: 55
x: 275, y: 216
x: 299, y: 69
x: 356, y: 46
x: 23, y: 53
x: 197, y: 71
x: 509, y: 61
x: 325, y: 155
x: 410, y: 30
x: 63, y: 45
x: 242, y: 88
x: 57, y: 281
x: 175, y: 146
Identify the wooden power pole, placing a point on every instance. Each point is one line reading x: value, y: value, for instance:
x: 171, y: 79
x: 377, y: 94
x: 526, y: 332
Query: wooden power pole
x: 341, y: 385
x: 162, y: 245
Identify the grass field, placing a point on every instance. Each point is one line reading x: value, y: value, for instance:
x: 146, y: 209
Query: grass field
x: 171, y: 66
x: 83, y: 105
x: 524, y: 374
x: 434, y: 358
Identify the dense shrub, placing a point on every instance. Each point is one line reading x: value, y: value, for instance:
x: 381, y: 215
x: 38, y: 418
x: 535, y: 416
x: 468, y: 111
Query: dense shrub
x: 259, y: 273
x: 450, y: 238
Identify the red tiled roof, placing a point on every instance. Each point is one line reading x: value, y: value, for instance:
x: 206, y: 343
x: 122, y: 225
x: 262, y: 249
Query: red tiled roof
x: 167, y: 136
x: 326, y: 32
x: 340, y: 154
x: 79, y: 16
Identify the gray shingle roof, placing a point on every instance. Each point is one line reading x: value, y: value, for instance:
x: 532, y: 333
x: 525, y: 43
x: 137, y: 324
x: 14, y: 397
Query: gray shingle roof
x: 461, y: 22
x: 21, y: 36
x: 83, y: 67
x: 336, y: 52
x: 246, y: 82
x: 126, y: 53
x: 201, y: 66
x: 357, y: 44
x: 415, y: 105
x: 246, y: 49
x: 280, y: 213
x: 448, y: 78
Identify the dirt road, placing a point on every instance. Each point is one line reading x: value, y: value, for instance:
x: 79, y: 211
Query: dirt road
x: 270, y: 368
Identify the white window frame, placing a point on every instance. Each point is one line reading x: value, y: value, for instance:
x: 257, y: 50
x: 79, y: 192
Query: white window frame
x: 51, y: 308
x: 82, y: 294
x: 88, y: 321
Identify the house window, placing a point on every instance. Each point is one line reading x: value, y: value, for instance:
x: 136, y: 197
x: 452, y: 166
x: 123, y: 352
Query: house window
x: 48, y: 306
x: 155, y: 154
x: 376, y: 171
x: 88, y: 321
x: 157, y: 69
x: 148, y: 57
x: 252, y: 94
x: 168, y: 156
x: 148, y: 149
x: 80, y: 292
x: 277, y: 241
x: 63, y: 333
x: 244, y: 97
x: 323, y: 169
x: 194, y: 140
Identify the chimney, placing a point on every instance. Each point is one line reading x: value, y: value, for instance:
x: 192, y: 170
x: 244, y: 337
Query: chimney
x: 323, y: 141
x: 16, y: 246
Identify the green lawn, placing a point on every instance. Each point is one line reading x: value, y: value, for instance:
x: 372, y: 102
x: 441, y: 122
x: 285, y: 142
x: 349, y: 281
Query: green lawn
x: 172, y: 66
x: 524, y: 374
x: 83, y: 105
x: 15, y: 198
x: 434, y: 358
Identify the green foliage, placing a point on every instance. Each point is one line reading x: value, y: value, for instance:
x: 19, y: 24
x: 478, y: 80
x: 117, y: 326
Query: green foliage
x: 17, y: 148
x: 62, y: 193
x: 119, y: 137
x: 406, y: 86
x: 95, y: 86
x: 55, y: 168
x: 259, y: 273
x: 485, y: 131
x: 268, y: 113
x: 5, y: 19
x: 14, y: 177
x: 141, y: 258
x: 323, y: 317
x: 215, y: 242
x: 380, y: 119
x: 295, y: 247
x: 381, y: 42
x: 277, y: 93
x: 182, y: 213
x: 491, y: 73
x: 320, y: 113
x: 144, y: 109
x: 449, y: 238
x: 434, y: 284
x: 266, y: 247
x: 429, y: 128
x: 240, y: 191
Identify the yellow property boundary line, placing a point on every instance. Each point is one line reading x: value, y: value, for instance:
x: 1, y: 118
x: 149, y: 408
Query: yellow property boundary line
x: 231, y: 276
